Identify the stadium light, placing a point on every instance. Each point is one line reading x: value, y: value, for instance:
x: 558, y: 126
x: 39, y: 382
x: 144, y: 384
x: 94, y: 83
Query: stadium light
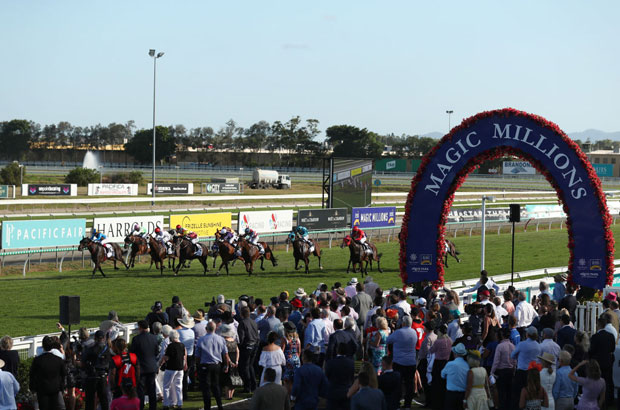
x: 484, y: 199
x: 449, y: 112
x: 155, y: 57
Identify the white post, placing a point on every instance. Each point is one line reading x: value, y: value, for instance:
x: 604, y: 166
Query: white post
x: 483, y: 232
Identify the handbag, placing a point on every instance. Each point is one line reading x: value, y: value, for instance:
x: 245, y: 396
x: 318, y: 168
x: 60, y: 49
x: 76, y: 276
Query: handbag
x: 490, y: 402
x: 236, y: 380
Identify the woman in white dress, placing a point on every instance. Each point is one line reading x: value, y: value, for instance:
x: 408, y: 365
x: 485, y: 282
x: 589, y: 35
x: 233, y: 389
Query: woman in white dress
x: 547, y: 377
x: 272, y: 356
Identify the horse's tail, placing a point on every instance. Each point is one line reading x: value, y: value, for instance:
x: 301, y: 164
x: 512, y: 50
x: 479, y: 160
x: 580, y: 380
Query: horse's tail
x: 379, y: 255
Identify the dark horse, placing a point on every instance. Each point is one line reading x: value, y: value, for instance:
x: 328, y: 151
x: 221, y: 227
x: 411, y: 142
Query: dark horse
x: 358, y: 255
x: 186, y: 250
x: 98, y: 254
x: 158, y: 254
x: 451, y: 250
x: 138, y: 247
x: 301, y: 251
x: 250, y: 253
x: 225, y: 250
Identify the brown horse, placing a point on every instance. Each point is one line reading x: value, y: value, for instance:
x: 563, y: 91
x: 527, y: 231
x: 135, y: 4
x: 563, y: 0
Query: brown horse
x: 301, y: 251
x: 98, y: 254
x: 158, y: 253
x: 186, y: 250
x: 138, y: 245
x: 250, y: 253
x: 452, y: 251
x: 358, y: 255
x: 225, y: 250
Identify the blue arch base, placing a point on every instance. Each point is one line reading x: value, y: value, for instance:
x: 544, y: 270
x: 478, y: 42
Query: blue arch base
x: 492, y: 134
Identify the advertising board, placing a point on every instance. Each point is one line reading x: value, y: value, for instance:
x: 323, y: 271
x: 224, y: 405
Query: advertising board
x: 518, y: 168
x: 266, y: 221
x: 116, y: 229
x: 322, y: 218
x: 49, y: 189
x: 391, y: 165
x: 202, y: 224
x: 171, y: 189
x: 221, y: 188
x: 42, y: 232
x: 604, y: 170
x: 113, y: 189
x: 351, y: 183
x: 384, y: 216
x: 544, y: 211
x: 4, y: 191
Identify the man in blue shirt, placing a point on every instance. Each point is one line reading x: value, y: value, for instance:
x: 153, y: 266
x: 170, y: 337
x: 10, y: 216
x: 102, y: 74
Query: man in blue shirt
x: 559, y: 290
x: 564, y: 389
x: 367, y: 398
x: 313, y: 337
x: 209, y: 352
x: 455, y: 373
x: 526, y: 352
x: 404, y: 341
x: 268, y: 324
x: 309, y: 383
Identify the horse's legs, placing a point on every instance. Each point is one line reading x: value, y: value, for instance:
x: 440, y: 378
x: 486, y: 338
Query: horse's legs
x: 320, y: 266
x: 203, y: 261
x: 349, y: 265
x: 379, y: 266
x: 296, y: 264
x: 307, y: 262
x: 101, y: 270
x: 446, y: 260
x: 226, y: 266
x: 115, y: 267
x: 261, y: 263
x: 220, y: 268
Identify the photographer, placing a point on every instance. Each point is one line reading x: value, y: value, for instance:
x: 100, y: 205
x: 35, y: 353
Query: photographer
x: 97, y: 361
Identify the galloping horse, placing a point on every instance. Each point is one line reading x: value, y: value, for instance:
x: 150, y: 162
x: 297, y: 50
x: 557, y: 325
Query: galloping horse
x: 358, y: 255
x: 250, y: 253
x: 186, y: 251
x: 301, y: 251
x: 452, y: 251
x: 225, y: 250
x: 158, y: 253
x: 138, y: 247
x: 98, y: 254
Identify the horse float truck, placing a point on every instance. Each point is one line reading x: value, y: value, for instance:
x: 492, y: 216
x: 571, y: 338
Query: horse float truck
x: 266, y: 178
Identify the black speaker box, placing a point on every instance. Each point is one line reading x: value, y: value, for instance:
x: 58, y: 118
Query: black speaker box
x: 69, y: 310
x: 515, y: 213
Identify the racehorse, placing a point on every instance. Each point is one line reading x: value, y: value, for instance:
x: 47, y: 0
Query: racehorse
x: 301, y: 251
x: 225, y: 250
x: 158, y: 253
x: 250, y: 253
x: 451, y: 250
x: 358, y: 255
x: 138, y: 247
x: 98, y: 254
x: 186, y: 250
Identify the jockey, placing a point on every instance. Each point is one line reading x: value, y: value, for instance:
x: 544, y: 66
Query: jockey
x: 164, y: 238
x: 303, y: 233
x: 100, y: 237
x: 139, y: 231
x: 228, y: 235
x: 360, y: 236
x: 180, y: 230
x: 252, y: 237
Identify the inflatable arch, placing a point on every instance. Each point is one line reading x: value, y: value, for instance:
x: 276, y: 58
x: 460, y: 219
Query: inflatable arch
x: 491, y: 135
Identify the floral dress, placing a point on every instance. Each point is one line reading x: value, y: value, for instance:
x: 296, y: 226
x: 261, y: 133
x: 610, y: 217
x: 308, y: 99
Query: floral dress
x: 291, y: 353
x: 377, y: 352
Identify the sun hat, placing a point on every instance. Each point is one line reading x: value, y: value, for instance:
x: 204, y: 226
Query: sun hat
x: 353, y: 281
x: 485, y: 293
x: 611, y: 296
x: 300, y: 292
x: 198, y: 315
x: 226, y: 331
x: 560, y: 276
x: 187, y: 322
x: 459, y: 350
x: 289, y: 327
x: 547, y: 357
x: 420, y: 301
x: 296, y: 303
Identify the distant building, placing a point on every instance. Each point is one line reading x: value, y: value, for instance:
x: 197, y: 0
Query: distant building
x: 605, y: 162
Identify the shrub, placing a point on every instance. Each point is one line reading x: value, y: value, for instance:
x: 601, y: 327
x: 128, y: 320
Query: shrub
x: 133, y: 177
x: 11, y: 174
x: 82, y: 176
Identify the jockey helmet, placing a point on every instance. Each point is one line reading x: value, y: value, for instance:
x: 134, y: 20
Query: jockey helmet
x: 94, y: 230
x: 247, y: 230
x: 355, y: 228
x: 224, y: 231
x: 157, y: 230
x: 178, y: 227
x: 136, y: 227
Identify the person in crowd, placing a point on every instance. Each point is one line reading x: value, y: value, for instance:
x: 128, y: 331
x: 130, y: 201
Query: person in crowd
x: 533, y: 396
x: 367, y: 398
x: 346, y: 336
x: 9, y: 387
x: 211, y: 354
x: 188, y: 338
x: 313, y: 337
x: 549, y: 346
x: 97, y: 363
x: 175, y: 311
x: 548, y: 377
x: 490, y: 320
x: 404, y: 341
x: 564, y: 389
x: 422, y: 357
x: 271, y: 395
x: 292, y: 349
x: 370, y: 287
x: 390, y: 384
x: 469, y: 339
x: 503, y: 368
x: 200, y: 325
x: 559, y: 290
x: 476, y: 397
x: 226, y: 378
x: 483, y: 283
x: 378, y: 343
x: 175, y: 360
x: 593, y: 386
x: 295, y: 316
x: 273, y: 357
x: 524, y: 312
x: 488, y: 349
x: 602, y: 346
x: 124, y: 366
x: 145, y: 346
x: 128, y: 400
x: 441, y: 351
x: 566, y: 333
x: 361, y: 303
x: 454, y: 328
x: 508, y: 305
x: 515, y: 336
x: 8, y: 356
x: 268, y: 324
x: 525, y: 352
x: 309, y: 384
x: 156, y: 315
x: 569, y: 302
x: 247, y: 332
x: 455, y: 373
x: 340, y: 372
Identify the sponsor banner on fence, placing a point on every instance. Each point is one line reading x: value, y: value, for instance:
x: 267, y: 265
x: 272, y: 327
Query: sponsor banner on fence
x: 322, y: 218
x: 266, y: 221
x: 202, y: 224
x: 475, y: 214
x: 42, y: 232
x: 49, y: 189
x: 116, y: 229
x: 113, y: 189
x: 221, y: 188
x: 518, y: 168
x: 4, y: 191
x: 544, y: 211
x: 391, y: 165
x: 373, y: 217
x: 604, y: 170
x: 173, y: 189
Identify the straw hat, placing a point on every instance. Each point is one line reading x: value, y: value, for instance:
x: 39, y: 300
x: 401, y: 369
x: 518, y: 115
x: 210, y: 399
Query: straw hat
x: 187, y: 322
x: 547, y: 357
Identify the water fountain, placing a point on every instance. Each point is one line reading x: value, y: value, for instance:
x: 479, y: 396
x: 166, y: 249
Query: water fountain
x: 90, y: 161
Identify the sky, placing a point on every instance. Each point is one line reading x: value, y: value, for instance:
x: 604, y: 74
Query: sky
x: 391, y: 67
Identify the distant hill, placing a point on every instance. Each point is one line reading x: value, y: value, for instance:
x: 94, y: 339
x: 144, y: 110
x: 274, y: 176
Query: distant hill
x: 595, y: 135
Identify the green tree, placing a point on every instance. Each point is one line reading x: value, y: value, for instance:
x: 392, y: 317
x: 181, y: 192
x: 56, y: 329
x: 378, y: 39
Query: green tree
x: 82, y: 176
x: 294, y: 136
x: 12, y: 174
x: 257, y: 135
x: 141, y: 145
x: 15, y: 137
x: 350, y: 141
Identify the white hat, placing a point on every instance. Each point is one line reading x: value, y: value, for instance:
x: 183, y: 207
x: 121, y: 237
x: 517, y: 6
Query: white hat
x: 420, y: 301
x: 187, y: 322
x: 353, y: 281
x: 300, y: 292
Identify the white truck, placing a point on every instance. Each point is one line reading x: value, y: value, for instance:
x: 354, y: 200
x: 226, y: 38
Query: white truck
x: 266, y: 178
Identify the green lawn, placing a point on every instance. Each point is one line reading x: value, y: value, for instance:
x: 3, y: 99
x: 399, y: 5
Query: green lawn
x: 30, y: 305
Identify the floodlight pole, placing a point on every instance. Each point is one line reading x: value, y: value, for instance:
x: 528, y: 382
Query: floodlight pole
x: 449, y: 112
x: 484, y: 220
x: 155, y: 57
x: 512, y: 266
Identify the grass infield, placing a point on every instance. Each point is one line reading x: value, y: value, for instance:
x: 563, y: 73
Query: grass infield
x: 30, y: 305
